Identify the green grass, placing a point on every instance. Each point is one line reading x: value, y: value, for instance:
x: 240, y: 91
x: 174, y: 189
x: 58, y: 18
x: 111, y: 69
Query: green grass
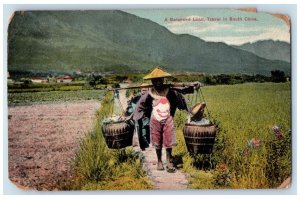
x: 45, y: 89
x: 98, y: 168
x: 243, y: 112
x: 51, y: 96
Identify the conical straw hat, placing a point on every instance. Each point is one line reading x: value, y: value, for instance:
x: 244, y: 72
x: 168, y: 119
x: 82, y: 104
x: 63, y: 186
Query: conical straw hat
x: 157, y: 73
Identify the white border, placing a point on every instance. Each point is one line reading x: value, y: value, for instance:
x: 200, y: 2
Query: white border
x: 121, y: 5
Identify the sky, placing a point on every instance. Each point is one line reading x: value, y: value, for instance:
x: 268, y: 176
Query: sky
x: 231, y: 26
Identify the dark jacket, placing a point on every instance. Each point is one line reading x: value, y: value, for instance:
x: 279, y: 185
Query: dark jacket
x: 131, y: 104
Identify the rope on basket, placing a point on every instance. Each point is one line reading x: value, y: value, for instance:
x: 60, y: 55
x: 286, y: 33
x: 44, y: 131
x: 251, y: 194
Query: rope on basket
x: 195, y: 97
x: 204, y: 101
x: 116, y: 96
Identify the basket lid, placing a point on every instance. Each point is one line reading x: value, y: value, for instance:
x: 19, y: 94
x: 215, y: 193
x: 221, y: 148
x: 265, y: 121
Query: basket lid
x: 197, y: 110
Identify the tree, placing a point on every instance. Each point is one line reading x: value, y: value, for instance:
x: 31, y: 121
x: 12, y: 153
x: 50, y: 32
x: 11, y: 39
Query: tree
x: 121, y: 78
x: 210, y: 80
x: 223, y: 79
x: 94, y: 79
x: 26, y: 82
x: 278, y: 76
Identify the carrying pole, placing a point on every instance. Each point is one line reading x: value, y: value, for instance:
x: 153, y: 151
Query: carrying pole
x: 150, y: 86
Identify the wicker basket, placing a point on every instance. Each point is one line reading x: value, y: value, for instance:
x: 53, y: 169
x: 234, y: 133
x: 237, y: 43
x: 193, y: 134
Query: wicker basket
x: 118, y: 134
x: 199, y: 139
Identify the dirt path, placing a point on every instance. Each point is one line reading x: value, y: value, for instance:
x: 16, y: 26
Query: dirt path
x: 161, y: 180
x: 43, y: 139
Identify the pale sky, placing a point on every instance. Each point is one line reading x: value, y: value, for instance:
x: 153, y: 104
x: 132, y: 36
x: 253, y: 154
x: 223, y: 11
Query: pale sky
x: 233, y: 32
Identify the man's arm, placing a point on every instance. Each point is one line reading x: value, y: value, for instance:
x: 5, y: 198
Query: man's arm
x: 187, y: 89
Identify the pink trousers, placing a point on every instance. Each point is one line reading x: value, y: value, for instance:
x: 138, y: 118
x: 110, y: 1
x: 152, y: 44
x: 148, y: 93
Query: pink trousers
x: 163, y: 134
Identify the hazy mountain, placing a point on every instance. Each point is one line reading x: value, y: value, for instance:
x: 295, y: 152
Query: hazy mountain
x: 269, y: 49
x: 120, y: 42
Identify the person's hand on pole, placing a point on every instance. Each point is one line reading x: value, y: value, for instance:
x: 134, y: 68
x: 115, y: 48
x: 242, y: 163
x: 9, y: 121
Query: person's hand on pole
x: 196, y: 85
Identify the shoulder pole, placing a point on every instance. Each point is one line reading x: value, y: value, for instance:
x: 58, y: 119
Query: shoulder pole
x: 149, y: 86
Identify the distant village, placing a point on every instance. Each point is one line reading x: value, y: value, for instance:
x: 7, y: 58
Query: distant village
x: 59, y: 79
x: 94, y: 78
x: 77, y: 75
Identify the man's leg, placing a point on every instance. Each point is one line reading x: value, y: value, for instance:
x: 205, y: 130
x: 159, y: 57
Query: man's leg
x: 140, y: 135
x: 156, y: 136
x: 169, y: 154
x: 144, y: 142
x: 170, y: 165
x: 159, y: 161
x: 169, y: 142
x: 147, y: 129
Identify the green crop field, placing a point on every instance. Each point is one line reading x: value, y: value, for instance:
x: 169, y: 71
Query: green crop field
x: 54, y: 96
x: 243, y: 113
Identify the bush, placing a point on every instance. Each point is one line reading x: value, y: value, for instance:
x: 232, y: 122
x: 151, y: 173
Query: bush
x: 278, y: 76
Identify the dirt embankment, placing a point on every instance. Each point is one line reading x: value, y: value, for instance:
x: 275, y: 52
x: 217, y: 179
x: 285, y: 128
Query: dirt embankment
x: 43, y: 140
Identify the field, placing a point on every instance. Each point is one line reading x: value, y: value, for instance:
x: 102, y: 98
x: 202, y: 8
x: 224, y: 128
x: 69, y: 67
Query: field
x: 35, y: 93
x: 52, y: 96
x: 247, y: 154
x: 52, y: 161
x: 43, y: 140
x: 244, y: 114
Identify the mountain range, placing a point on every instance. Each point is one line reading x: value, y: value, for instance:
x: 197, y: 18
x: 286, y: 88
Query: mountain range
x: 116, y: 41
x: 269, y: 49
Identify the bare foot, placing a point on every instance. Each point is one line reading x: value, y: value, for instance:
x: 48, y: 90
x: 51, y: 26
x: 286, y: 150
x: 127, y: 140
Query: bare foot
x: 160, y: 166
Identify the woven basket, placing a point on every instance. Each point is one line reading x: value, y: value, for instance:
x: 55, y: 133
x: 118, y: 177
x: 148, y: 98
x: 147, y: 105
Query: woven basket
x: 118, y: 134
x: 199, y: 139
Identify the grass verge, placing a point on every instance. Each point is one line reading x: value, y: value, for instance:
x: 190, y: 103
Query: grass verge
x: 98, y: 168
x: 244, y: 113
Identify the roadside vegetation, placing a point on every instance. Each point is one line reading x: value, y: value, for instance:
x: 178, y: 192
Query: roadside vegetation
x: 247, y: 152
x: 98, y: 168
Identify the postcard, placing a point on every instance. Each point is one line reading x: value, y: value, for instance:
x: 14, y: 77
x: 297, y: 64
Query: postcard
x: 149, y: 99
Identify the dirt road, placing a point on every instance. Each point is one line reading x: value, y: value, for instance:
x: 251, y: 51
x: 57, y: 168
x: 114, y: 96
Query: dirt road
x: 161, y: 180
x: 43, y: 140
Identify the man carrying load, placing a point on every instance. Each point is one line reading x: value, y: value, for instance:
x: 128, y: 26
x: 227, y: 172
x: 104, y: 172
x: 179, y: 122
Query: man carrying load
x: 160, y: 104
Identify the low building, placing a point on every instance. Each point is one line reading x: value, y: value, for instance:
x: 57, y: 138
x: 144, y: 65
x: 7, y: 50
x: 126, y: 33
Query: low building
x: 39, y: 80
x: 64, y: 79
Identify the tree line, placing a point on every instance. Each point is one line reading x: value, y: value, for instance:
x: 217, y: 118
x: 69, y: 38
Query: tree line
x: 276, y: 76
